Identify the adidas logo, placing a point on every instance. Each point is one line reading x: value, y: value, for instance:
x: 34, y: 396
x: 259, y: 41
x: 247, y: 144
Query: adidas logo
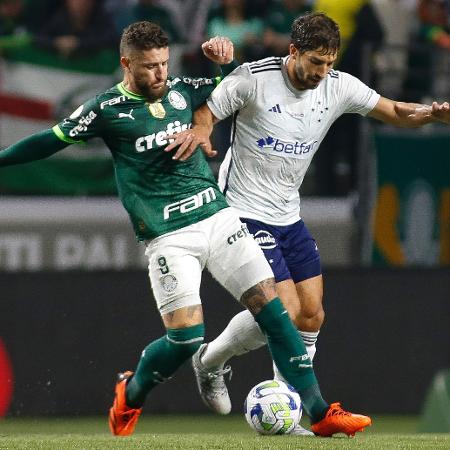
x: 275, y: 108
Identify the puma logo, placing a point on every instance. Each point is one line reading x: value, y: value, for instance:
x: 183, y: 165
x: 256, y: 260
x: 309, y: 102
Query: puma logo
x: 129, y: 115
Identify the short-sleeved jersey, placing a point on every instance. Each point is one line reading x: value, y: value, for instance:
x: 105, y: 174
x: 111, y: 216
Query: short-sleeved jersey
x: 276, y: 131
x: 159, y: 193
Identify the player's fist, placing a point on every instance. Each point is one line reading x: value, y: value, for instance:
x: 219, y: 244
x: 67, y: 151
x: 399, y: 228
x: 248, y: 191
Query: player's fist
x: 441, y: 111
x: 219, y: 49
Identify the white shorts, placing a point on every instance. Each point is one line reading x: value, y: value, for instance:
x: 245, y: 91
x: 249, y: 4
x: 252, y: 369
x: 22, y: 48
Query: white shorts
x: 221, y: 243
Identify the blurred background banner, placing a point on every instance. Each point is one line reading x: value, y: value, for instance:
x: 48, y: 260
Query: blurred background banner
x: 94, y: 233
x: 37, y: 90
x: 411, y: 224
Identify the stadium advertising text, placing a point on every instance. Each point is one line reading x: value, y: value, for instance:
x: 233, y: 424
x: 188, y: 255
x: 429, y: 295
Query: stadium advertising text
x: 65, y: 251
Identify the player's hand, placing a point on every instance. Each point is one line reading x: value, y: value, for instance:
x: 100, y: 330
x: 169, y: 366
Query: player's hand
x: 421, y: 114
x: 187, y: 141
x: 219, y: 49
x: 441, y: 112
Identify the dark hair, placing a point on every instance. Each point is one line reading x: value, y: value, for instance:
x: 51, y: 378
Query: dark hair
x: 315, y: 31
x: 143, y: 36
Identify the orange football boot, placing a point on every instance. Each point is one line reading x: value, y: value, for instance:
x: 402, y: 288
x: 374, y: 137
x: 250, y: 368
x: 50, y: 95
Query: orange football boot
x: 337, y: 420
x: 122, y: 419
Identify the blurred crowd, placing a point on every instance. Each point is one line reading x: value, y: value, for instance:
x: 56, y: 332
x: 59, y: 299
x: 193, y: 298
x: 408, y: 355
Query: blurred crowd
x: 386, y: 43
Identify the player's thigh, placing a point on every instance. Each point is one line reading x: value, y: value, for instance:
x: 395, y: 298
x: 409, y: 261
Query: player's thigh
x: 236, y: 260
x: 175, y: 268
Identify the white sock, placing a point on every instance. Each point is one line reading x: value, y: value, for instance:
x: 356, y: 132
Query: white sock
x: 309, y: 339
x: 241, y: 335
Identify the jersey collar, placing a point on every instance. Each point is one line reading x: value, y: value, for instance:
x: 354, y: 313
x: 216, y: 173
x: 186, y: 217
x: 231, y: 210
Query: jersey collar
x: 123, y: 90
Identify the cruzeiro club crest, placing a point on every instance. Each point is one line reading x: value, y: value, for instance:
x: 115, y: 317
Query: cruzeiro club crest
x: 157, y: 110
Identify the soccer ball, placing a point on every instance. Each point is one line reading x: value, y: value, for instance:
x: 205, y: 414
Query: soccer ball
x: 273, y: 407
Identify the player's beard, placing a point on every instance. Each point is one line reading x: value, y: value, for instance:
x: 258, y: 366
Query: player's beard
x: 304, y: 81
x: 152, y: 94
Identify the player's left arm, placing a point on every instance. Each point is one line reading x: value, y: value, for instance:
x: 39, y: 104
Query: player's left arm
x: 32, y: 148
x: 409, y: 115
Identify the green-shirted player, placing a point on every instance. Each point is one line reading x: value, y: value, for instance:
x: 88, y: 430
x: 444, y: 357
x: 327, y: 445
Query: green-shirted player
x: 159, y: 194
x: 178, y: 210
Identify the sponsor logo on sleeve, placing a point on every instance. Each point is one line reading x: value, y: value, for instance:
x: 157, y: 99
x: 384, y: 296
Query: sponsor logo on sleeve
x: 197, y: 82
x: 112, y: 102
x: 83, y: 124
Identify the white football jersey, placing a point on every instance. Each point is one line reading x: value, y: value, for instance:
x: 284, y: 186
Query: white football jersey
x: 276, y: 131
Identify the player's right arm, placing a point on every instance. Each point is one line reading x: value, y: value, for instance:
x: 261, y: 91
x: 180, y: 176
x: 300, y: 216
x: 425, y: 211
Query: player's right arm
x: 231, y: 95
x: 410, y: 115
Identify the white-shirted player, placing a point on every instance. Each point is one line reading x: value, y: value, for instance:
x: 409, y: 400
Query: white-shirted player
x: 282, y: 109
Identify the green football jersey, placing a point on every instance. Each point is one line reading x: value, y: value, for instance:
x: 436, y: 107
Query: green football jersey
x: 159, y: 194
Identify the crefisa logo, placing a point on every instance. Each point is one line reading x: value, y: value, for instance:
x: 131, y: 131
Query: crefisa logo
x: 265, y: 240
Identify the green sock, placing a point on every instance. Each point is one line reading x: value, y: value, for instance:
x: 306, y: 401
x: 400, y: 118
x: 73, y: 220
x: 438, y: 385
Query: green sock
x: 289, y: 353
x: 161, y: 359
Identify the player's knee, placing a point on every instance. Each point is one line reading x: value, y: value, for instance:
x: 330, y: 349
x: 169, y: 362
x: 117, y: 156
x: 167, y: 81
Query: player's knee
x: 185, y: 342
x: 259, y: 295
x: 310, y: 319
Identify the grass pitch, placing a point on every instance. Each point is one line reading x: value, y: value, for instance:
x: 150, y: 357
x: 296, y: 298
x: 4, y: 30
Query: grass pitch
x: 207, y: 432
